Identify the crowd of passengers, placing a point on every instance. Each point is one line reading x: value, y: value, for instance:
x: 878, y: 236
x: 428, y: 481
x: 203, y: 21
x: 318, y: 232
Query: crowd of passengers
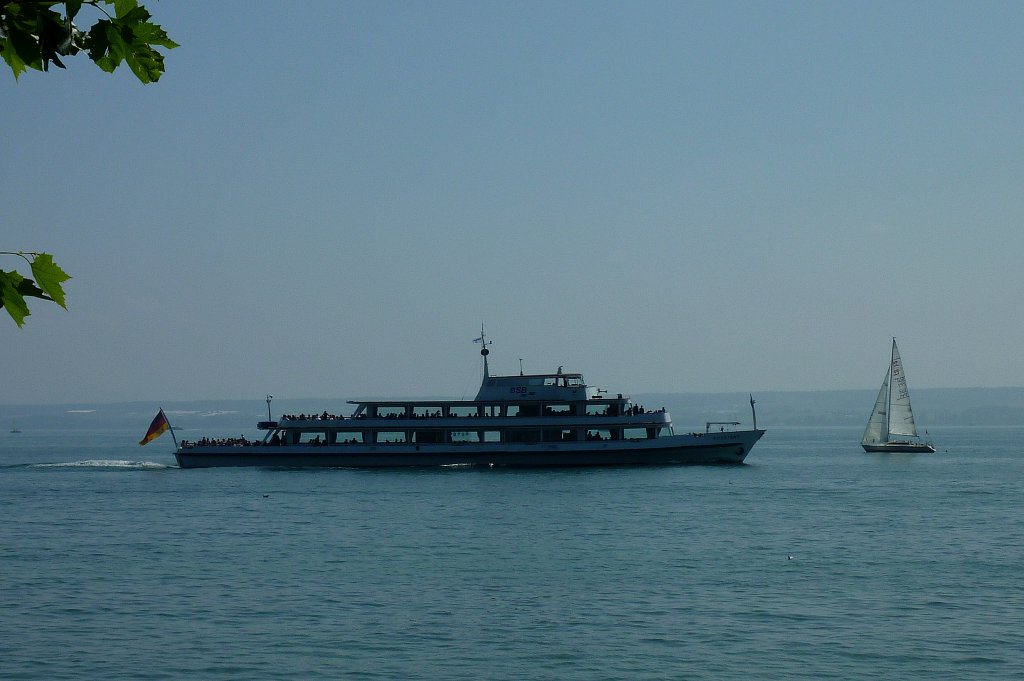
x: 240, y: 441
x: 311, y: 417
x: 633, y: 410
x: 276, y: 439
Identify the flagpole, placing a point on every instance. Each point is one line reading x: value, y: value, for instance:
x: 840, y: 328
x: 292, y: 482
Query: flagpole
x: 170, y: 428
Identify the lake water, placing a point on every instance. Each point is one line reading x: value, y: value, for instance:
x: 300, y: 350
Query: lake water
x: 812, y: 561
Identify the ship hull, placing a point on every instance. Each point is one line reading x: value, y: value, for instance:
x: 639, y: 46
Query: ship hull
x: 900, y: 447
x: 694, y: 449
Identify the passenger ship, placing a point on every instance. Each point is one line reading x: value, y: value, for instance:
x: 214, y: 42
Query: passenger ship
x: 526, y: 420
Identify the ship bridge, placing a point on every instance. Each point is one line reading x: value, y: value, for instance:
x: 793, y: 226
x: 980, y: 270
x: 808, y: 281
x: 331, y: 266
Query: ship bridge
x: 559, y: 386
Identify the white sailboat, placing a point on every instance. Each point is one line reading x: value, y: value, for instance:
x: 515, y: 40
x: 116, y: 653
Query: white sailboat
x: 891, y: 424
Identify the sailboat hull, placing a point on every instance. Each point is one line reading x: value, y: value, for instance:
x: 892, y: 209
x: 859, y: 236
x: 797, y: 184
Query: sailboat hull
x: 919, y: 447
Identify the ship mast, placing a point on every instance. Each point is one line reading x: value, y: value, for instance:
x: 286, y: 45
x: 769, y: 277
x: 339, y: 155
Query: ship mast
x: 484, y: 351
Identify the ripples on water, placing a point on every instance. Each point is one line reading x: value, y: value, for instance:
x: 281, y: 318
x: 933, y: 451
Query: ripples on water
x: 812, y: 561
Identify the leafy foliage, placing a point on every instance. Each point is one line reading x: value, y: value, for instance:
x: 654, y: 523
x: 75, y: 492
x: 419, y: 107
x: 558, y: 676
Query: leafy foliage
x: 15, y: 287
x: 33, y: 34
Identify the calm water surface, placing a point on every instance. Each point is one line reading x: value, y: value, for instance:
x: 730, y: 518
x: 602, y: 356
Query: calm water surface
x: 813, y: 560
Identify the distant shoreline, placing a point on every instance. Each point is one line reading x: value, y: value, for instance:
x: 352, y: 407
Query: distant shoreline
x: 933, y: 408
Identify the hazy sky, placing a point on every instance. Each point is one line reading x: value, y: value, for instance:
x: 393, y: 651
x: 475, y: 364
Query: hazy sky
x: 329, y: 198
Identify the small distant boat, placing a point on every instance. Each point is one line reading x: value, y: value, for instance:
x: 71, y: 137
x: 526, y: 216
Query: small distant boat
x: 14, y: 428
x: 891, y: 425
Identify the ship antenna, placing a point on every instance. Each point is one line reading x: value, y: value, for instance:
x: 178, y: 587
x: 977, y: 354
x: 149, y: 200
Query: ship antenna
x: 484, y: 351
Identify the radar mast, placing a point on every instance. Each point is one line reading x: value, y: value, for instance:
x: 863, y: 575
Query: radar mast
x: 484, y: 351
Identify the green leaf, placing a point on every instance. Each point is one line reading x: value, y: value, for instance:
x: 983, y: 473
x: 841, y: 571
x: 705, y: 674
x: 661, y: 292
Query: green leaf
x: 130, y: 38
x: 21, y: 44
x: 54, y: 34
x: 106, y: 45
x: 34, y: 35
x: 123, y: 7
x: 7, y: 279
x: 12, y: 57
x: 49, y: 276
x: 99, y: 46
x: 152, y: 34
x: 11, y: 298
x: 146, y: 63
x: 28, y: 288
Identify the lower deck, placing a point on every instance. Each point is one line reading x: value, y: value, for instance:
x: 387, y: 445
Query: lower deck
x: 696, y: 448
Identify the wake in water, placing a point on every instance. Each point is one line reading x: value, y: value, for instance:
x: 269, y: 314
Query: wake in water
x: 105, y: 463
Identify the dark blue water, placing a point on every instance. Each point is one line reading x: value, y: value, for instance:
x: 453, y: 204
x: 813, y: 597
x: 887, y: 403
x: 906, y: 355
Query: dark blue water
x: 814, y: 560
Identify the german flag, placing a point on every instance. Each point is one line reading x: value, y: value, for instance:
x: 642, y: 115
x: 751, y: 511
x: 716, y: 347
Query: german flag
x: 156, y: 429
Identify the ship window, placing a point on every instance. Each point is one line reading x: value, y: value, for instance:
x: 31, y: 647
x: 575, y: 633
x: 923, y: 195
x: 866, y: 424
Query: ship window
x: 558, y: 410
x: 517, y: 435
x: 558, y: 435
x: 313, y: 437
x: 476, y: 436
x: 428, y: 436
x: 522, y: 410
x: 492, y: 410
x: 599, y: 434
x: 348, y: 437
x: 597, y: 409
x: 426, y: 411
x: 634, y: 433
x: 391, y: 412
x: 665, y: 431
x: 390, y: 436
x: 458, y: 411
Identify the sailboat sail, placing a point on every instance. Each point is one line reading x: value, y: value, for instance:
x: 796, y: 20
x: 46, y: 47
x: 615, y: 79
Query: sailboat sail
x: 891, y: 424
x: 875, y: 432
x: 901, y: 416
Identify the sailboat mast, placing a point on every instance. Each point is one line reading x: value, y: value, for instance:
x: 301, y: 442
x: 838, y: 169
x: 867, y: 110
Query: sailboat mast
x: 888, y: 397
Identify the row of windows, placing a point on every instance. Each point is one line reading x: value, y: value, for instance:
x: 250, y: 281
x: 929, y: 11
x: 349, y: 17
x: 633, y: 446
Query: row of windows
x: 553, y: 409
x: 562, y: 380
x: 437, y: 436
